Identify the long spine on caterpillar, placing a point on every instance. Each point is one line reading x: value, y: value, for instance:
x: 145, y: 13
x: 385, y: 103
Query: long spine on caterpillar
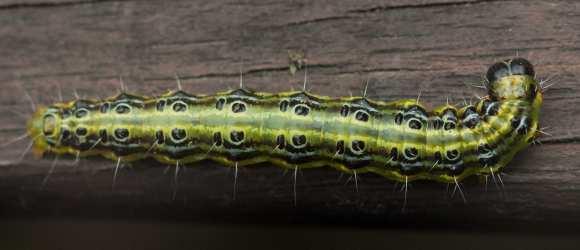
x: 399, y: 140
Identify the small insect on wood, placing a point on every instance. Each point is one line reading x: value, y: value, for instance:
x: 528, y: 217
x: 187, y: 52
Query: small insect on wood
x: 399, y: 140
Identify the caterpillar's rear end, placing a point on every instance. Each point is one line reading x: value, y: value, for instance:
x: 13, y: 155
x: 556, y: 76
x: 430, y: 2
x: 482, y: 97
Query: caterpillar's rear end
x: 399, y: 140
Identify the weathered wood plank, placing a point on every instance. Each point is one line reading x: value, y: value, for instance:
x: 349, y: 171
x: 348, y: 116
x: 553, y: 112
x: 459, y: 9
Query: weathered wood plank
x: 435, y: 47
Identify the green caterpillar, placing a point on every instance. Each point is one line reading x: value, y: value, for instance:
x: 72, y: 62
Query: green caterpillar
x: 399, y: 140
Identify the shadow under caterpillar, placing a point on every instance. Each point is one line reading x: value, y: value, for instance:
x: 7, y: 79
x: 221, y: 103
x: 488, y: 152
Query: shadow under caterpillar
x: 399, y: 140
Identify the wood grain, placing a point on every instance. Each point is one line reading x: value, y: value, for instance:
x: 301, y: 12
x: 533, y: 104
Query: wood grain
x: 436, y: 48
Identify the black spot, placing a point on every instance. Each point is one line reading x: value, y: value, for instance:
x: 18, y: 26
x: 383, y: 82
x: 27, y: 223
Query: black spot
x: 66, y: 138
x: 437, y: 156
x: 81, y: 113
x: 487, y: 156
x: 521, y: 125
x: 238, y: 107
x: 449, y: 125
x: 159, y: 137
x: 217, y: 139
x: 81, y: 131
x: 469, y: 111
x: 121, y: 133
x: 471, y: 122
x: 103, y: 135
x: 301, y: 110
x: 488, y: 161
x: 122, y: 109
x: 280, y: 142
x: 299, y: 140
x: 104, y: 107
x: 470, y: 117
x: 515, y: 122
x: 160, y: 105
x: 237, y: 136
x: 340, y: 147
x: 411, y: 153
x: 491, y: 108
x: 450, y: 114
x: 417, y: 109
x: 357, y: 146
x: 456, y: 169
x: 178, y: 134
x: 483, y: 149
x: 415, y: 124
x: 219, y: 104
x: 452, y: 155
x: 65, y: 114
x: 362, y: 116
x: 394, y: 154
x: 399, y: 119
x: 179, y: 107
x: 344, y: 111
x: 65, y: 134
x: 284, y: 105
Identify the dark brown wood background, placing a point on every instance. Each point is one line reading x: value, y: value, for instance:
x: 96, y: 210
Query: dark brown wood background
x: 402, y: 47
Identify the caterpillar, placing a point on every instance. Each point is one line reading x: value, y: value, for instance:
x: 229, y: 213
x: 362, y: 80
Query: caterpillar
x: 399, y: 140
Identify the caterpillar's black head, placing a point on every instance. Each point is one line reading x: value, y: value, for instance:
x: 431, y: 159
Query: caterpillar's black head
x: 512, y: 79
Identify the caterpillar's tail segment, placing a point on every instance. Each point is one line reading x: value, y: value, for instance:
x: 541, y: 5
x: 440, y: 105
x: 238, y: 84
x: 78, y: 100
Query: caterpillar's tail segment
x: 512, y: 79
x: 41, y: 124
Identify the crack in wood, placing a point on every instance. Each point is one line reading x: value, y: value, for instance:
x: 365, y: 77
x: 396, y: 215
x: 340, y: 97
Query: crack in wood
x: 561, y: 140
x: 21, y: 5
x: 420, y: 6
x: 312, y: 21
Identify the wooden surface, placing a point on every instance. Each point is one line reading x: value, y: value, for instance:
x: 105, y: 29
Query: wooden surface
x: 402, y: 47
